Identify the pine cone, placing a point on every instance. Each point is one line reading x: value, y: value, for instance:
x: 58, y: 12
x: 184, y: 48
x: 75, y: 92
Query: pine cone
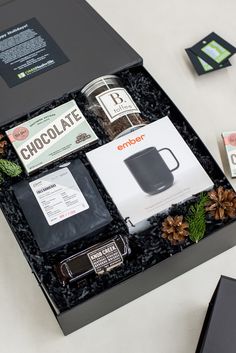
x: 222, y: 203
x: 174, y: 229
x: 2, y: 145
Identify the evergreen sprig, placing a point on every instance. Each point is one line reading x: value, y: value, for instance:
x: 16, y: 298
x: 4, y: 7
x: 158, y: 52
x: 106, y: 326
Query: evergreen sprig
x: 196, y: 219
x: 9, y: 168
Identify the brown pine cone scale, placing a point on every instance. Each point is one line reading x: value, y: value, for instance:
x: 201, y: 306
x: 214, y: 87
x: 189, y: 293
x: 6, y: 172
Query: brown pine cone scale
x: 175, y: 230
x: 2, y: 145
x: 222, y: 203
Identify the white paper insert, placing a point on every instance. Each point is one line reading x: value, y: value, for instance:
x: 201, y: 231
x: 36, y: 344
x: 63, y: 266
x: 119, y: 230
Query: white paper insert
x: 59, y: 196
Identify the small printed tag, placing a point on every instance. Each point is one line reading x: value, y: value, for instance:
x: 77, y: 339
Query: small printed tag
x: 201, y: 66
x: 117, y: 103
x: 105, y: 258
x: 59, y: 196
x: 210, y: 54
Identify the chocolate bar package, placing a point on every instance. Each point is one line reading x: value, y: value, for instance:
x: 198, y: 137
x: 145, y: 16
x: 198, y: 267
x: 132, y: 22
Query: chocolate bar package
x: 51, y: 136
x: 62, y: 205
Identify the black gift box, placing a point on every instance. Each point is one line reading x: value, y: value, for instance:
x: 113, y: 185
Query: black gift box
x: 92, y: 47
x: 219, y: 329
x: 81, y: 46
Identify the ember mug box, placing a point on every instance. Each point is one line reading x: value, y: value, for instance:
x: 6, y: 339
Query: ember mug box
x: 155, y: 169
x: 79, y: 153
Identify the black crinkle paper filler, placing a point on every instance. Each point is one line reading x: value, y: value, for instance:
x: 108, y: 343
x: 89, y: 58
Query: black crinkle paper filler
x: 148, y: 247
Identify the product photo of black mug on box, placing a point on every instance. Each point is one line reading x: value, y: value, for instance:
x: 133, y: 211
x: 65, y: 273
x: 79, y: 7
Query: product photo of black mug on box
x: 151, y: 171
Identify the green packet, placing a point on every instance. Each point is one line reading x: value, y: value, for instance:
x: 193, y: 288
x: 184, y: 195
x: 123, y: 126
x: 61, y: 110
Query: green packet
x: 51, y: 136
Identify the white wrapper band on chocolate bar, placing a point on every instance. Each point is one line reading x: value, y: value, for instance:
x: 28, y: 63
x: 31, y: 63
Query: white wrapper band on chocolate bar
x: 51, y: 136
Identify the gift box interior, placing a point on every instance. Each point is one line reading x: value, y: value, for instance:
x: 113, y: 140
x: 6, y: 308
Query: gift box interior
x: 151, y: 262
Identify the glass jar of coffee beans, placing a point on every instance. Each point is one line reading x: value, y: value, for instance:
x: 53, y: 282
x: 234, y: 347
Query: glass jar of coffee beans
x: 115, y: 109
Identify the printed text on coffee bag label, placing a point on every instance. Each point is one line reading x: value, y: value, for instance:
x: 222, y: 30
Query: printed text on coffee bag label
x: 59, y: 196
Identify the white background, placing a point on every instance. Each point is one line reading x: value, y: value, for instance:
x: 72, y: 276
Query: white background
x: 169, y: 319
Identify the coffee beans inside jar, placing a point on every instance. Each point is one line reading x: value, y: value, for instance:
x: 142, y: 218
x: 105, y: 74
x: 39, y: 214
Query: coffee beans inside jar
x: 115, y: 109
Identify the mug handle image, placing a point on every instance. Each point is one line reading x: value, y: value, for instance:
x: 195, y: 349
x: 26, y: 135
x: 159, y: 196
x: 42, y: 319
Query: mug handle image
x: 177, y: 162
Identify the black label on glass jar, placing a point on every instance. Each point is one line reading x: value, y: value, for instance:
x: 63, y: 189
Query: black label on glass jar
x: 105, y: 258
x: 26, y: 51
x: 117, y: 103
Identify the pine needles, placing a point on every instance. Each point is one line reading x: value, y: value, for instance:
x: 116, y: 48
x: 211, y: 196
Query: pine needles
x: 9, y: 168
x: 196, y: 219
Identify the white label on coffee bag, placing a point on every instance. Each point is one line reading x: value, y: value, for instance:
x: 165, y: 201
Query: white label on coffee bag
x: 59, y: 196
x: 117, y: 103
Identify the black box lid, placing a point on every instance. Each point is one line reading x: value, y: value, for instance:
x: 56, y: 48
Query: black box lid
x: 219, y: 330
x: 87, y: 47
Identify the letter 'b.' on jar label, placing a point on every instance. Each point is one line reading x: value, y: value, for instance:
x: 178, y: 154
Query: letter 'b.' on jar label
x: 116, y: 103
x: 112, y: 106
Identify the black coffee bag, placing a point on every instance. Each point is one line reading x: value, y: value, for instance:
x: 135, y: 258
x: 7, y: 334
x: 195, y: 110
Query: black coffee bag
x: 62, y: 205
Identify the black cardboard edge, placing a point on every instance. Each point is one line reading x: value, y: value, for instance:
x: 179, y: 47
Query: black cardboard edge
x: 208, y: 318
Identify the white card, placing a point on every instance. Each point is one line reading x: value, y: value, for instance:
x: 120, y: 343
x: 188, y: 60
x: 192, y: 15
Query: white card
x: 59, y: 196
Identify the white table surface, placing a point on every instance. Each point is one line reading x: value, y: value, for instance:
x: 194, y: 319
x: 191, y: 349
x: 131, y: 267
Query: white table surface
x: 168, y: 319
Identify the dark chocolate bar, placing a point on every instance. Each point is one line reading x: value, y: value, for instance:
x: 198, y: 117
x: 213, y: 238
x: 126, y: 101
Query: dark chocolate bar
x: 99, y: 258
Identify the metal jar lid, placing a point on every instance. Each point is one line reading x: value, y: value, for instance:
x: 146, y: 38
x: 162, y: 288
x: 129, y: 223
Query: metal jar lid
x: 99, y: 82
